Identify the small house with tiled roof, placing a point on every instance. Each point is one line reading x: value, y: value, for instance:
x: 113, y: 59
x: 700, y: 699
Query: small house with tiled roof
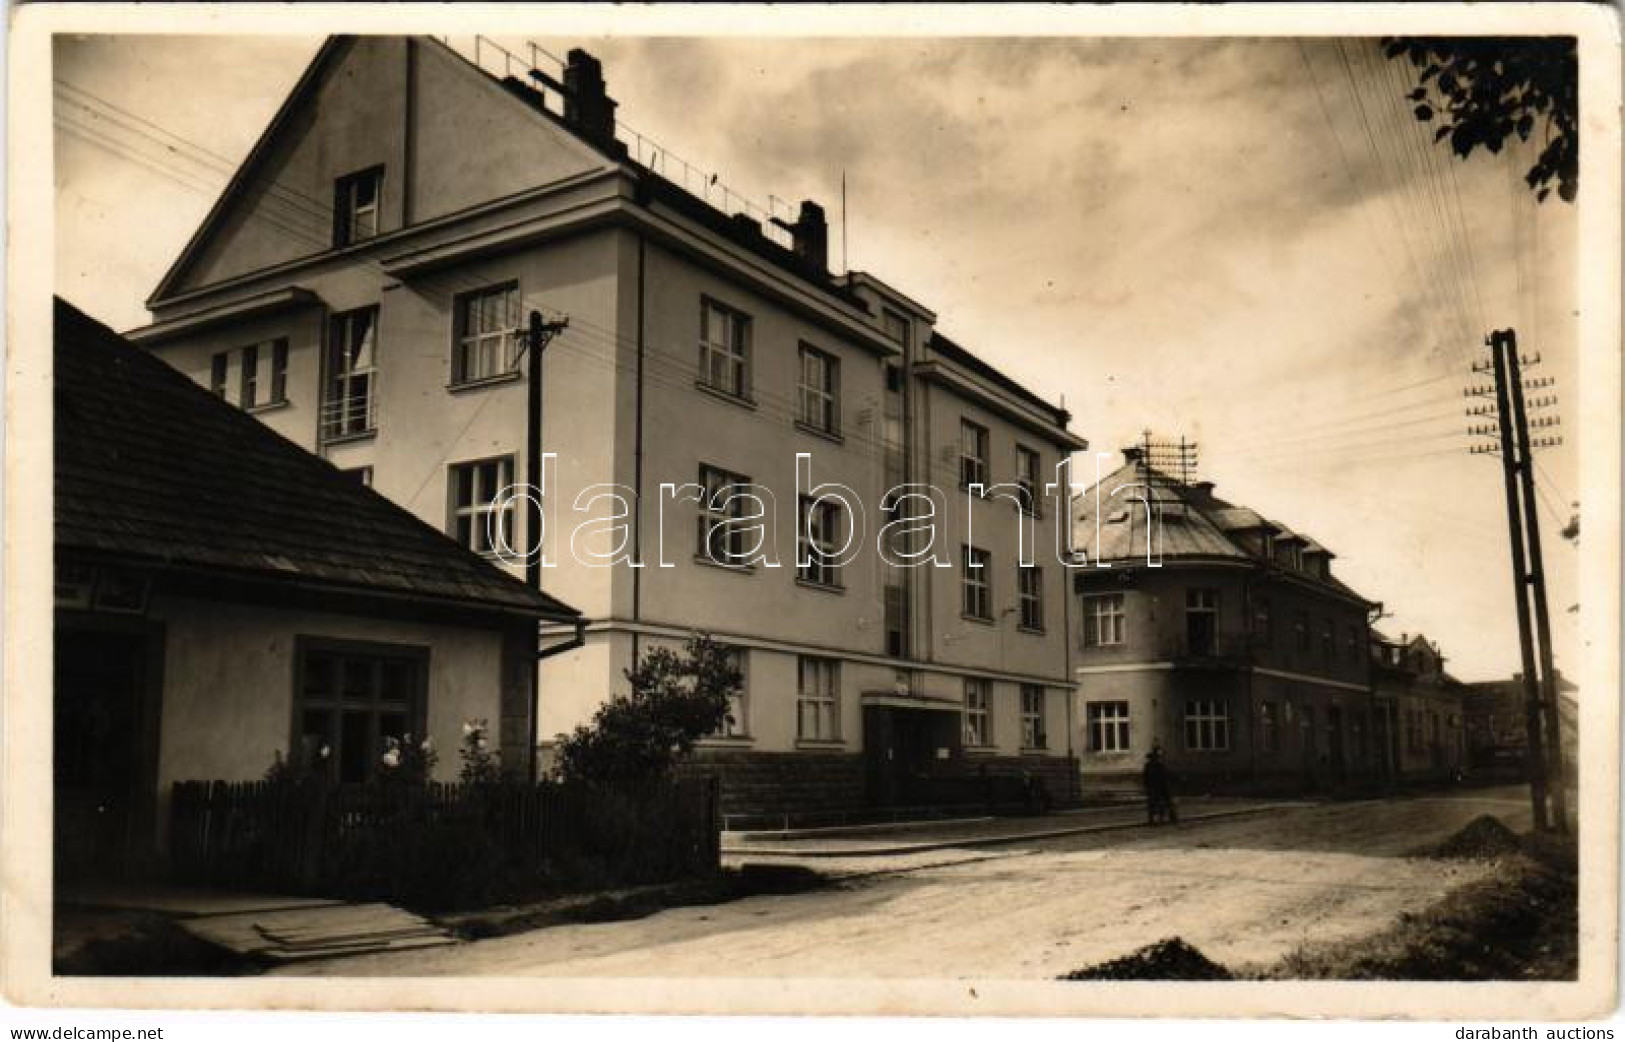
x: 1221, y: 637
x: 223, y: 597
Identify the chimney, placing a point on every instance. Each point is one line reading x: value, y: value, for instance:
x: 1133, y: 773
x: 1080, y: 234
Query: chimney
x: 810, y: 235
x: 587, y: 107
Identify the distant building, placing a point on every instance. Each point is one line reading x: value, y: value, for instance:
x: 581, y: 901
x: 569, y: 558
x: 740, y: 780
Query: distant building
x: 223, y: 597
x: 1236, y: 648
x: 1423, y: 707
x: 1497, y: 724
x: 362, y: 285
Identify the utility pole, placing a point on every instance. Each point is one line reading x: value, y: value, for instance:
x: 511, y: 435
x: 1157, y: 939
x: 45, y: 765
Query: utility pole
x: 536, y: 339
x: 1537, y: 584
x: 1523, y: 527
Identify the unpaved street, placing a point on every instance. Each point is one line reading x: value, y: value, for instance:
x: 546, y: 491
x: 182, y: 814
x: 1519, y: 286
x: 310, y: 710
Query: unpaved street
x: 1240, y: 889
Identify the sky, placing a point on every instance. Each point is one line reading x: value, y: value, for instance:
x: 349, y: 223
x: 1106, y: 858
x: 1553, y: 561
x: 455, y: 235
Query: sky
x: 1247, y: 242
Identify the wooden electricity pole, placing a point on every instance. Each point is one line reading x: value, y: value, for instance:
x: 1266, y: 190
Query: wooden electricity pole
x: 1544, y: 761
x: 536, y: 339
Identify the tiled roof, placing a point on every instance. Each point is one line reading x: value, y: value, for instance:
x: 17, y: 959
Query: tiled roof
x: 1196, y: 524
x: 152, y: 467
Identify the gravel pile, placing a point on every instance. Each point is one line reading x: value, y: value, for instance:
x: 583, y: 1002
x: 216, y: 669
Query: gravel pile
x: 1168, y: 959
x: 1482, y: 839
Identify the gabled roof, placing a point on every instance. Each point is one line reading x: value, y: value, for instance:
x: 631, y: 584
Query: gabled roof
x: 240, y: 178
x: 154, y: 469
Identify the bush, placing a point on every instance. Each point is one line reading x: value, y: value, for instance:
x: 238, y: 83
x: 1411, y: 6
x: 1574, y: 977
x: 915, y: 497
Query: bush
x: 676, y: 699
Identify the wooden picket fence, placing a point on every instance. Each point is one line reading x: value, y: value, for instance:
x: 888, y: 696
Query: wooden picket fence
x: 441, y: 844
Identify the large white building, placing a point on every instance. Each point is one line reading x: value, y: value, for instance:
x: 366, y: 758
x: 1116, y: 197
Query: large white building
x: 360, y: 287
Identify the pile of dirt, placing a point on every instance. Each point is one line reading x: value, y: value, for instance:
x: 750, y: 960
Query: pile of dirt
x: 1168, y: 959
x: 1482, y: 839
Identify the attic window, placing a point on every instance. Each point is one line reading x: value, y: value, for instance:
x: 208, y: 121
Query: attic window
x: 355, y: 206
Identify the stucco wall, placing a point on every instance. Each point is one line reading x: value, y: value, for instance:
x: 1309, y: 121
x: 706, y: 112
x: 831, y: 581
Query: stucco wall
x: 229, y: 683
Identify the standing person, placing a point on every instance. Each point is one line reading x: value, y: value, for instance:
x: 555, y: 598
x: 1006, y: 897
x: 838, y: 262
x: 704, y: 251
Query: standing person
x: 1159, y: 800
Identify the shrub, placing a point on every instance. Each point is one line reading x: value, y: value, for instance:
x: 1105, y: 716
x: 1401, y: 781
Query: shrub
x: 676, y: 699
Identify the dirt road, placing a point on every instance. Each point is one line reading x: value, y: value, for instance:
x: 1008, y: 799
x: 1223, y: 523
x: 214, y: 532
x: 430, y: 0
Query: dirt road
x: 1241, y: 889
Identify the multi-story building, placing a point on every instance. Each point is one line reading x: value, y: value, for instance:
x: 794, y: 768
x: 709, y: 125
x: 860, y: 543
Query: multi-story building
x: 363, y: 284
x: 1497, y: 725
x: 1423, y: 707
x: 1220, y: 636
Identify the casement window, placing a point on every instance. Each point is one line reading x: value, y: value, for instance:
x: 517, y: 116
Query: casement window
x: 976, y: 583
x: 264, y: 374
x: 476, y: 520
x: 1030, y: 592
x: 1029, y: 479
x: 356, y: 199
x: 820, y: 390
x: 818, y: 540
x: 1300, y: 627
x: 217, y: 372
x: 1269, y: 728
x: 721, y: 536
x: 1263, y: 629
x: 737, y: 723
x: 724, y: 349
x: 487, y: 334
x: 1207, y: 724
x: 1328, y: 642
x: 1201, y: 621
x: 351, y: 703
x: 1354, y: 645
x: 973, y: 454
x: 818, y: 712
x: 1034, y: 734
x: 896, y: 620
x: 1108, y: 724
x: 350, y: 392
x: 1103, y: 620
x: 978, y: 712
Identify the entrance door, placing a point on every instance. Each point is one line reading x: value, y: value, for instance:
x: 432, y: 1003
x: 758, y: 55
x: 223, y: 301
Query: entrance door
x: 104, y: 796
x: 1334, y: 741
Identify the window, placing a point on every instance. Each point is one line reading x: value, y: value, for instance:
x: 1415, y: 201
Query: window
x: 360, y: 475
x: 1103, y: 623
x: 355, y: 206
x: 217, y: 372
x: 978, y: 715
x: 1030, y: 590
x: 721, y: 536
x: 1201, y: 621
x: 351, y: 703
x: 1306, y: 727
x: 1269, y: 728
x: 976, y: 583
x: 1207, y: 725
x: 724, y: 349
x: 1108, y: 726
x: 820, y: 390
x: 1033, y: 733
x: 349, y: 406
x: 972, y: 454
x: 1263, y: 631
x: 475, y: 521
x: 487, y: 335
x: 250, y: 376
x: 896, y: 620
x: 1300, y: 626
x: 264, y: 377
x: 1354, y: 644
x: 818, y: 541
x: 737, y: 723
x: 818, y: 713
x: 1028, y: 479
x: 1328, y: 642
